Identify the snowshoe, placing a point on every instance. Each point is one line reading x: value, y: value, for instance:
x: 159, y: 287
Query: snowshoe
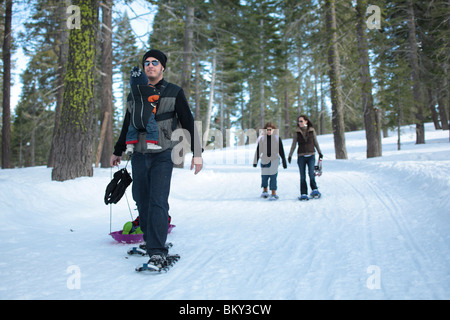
x: 265, y: 195
x: 142, y: 249
x: 303, y: 197
x: 158, y: 263
x: 315, y: 194
x: 137, y: 250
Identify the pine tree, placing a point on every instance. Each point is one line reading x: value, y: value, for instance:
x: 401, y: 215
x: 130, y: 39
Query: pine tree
x: 335, y: 82
x: 371, y: 113
x: 62, y: 42
x: 105, y: 148
x: 415, y: 73
x: 6, y: 114
x: 73, y: 151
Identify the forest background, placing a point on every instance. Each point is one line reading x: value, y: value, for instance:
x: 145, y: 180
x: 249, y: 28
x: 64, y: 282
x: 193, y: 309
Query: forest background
x: 348, y: 65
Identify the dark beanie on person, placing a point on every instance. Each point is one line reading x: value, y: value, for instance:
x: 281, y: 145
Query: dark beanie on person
x: 159, y: 55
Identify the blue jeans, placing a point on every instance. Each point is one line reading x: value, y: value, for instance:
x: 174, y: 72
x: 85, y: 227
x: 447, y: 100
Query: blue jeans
x: 265, y: 178
x: 152, y: 173
x: 151, y: 129
x: 302, y: 163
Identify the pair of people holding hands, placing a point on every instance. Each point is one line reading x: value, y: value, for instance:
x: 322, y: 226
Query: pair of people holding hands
x: 270, y: 150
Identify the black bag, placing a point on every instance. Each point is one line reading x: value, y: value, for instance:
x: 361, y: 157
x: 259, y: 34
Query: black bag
x: 116, y: 188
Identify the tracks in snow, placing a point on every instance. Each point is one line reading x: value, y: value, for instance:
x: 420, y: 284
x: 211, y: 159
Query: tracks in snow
x: 390, y: 217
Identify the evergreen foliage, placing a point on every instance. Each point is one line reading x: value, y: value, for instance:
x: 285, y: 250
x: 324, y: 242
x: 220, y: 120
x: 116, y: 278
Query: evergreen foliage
x: 272, y: 64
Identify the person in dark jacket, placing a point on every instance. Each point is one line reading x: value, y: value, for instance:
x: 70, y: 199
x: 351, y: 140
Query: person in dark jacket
x: 152, y: 169
x: 269, y: 149
x: 306, y: 139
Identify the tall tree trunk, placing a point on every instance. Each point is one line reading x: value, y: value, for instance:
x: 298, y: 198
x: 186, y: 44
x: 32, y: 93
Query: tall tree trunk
x: 211, y: 100
x: 62, y: 61
x: 442, y: 99
x: 299, y: 97
x: 415, y: 74
x: 371, y: 113
x: 335, y: 82
x: 33, y: 146
x: 432, y: 106
x: 315, y: 109
x: 262, y: 101
x: 187, y: 57
x: 197, y: 90
x: 187, y: 54
x: 73, y: 150
x: 287, y: 117
x: 323, y: 110
x: 221, y: 107
x: 107, y: 83
x: 6, y: 124
x: 399, y: 120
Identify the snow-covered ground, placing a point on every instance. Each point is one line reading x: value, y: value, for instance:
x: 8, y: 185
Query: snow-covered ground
x: 380, y: 230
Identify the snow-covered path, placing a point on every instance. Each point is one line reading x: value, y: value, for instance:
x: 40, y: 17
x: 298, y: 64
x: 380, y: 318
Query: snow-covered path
x: 380, y: 231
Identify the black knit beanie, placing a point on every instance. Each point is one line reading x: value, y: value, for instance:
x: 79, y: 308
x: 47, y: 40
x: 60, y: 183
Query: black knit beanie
x: 157, y: 55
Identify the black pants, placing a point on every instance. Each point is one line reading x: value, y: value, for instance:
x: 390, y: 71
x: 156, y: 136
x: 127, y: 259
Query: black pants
x: 152, y: 173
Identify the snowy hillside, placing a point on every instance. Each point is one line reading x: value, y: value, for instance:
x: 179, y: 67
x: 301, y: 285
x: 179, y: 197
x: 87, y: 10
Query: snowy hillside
x: 380, y: 230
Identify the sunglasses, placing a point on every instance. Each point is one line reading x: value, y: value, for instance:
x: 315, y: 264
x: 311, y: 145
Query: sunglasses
x: 153, y: 62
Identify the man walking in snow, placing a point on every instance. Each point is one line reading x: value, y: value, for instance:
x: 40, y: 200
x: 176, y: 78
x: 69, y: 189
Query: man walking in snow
x: 152, y: 169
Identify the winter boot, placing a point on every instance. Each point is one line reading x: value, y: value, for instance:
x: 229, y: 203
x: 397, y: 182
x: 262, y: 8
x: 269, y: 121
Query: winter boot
x: 273, y: 197
x: 157, y: 262
x: 264, y: 194
x: 315, y: 194
x: 303, y: 197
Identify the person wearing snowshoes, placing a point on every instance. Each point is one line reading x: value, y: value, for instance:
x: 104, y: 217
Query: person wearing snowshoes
x: 152, y: 169
x: 269, y: 149
x: 306, y: 139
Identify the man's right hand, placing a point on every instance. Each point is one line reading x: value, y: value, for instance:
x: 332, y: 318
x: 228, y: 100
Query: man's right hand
x: 114, y: 161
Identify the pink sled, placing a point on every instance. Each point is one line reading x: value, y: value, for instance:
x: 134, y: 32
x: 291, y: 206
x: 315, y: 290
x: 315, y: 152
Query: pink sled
x: 132, y: 238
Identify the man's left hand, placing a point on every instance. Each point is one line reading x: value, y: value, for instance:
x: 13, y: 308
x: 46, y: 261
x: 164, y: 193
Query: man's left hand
x: 197, y: 162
